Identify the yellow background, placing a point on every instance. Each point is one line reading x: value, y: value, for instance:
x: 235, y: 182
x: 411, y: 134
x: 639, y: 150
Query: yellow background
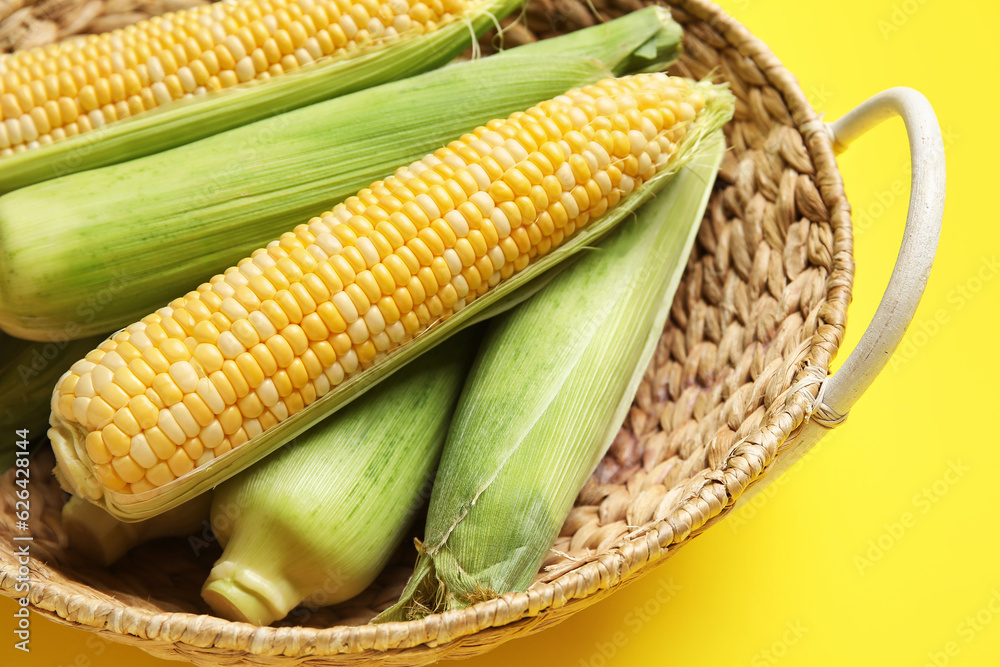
x: 821, y: 569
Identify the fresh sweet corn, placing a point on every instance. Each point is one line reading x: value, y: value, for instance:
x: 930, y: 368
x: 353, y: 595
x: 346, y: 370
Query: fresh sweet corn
x: 307, y: 50
x: 203, y: 208
x: 244, y: 353
x: 535, y: 419
x: 50, y: 93
x: 362, y: 474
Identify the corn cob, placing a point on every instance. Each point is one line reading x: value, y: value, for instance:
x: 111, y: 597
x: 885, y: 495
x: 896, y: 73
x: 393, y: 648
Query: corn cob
x: 391, y: 267
x: 362, y: 474
x: 203, y: 208
x: 47, y: 94
x: 307, y: 50
x: 28, y: 370
x: 534, y: 420
x: 103, y: 539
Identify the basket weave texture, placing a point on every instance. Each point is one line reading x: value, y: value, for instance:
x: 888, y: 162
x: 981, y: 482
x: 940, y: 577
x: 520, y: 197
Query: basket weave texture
x: 25, y: 24
x: 757, y: 320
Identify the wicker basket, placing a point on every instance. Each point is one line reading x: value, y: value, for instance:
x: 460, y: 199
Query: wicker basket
x: 754, y: 327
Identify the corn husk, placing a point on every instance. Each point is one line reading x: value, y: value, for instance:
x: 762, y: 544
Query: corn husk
x: 98, y: 250
x: 185, y: 121
x: 28, y: 371
x: 319, y: 519
x: 103, y: 539
x: 548, y: 392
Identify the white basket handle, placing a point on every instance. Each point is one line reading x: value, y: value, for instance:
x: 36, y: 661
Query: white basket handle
x: 916, y: 254
x: 841, y: 390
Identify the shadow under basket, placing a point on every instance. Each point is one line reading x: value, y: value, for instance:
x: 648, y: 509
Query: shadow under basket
x: 755, y: 324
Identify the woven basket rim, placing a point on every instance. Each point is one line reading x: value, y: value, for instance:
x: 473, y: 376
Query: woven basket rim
x: 517, y: 613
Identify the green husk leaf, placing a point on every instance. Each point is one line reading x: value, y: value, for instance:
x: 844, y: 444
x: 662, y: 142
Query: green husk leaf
x: 642, y: 41
x: 185, y: 121
x: 28, y: 371
x: 319, y: 519
x: 98, y: 250
x: 524, y: 441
